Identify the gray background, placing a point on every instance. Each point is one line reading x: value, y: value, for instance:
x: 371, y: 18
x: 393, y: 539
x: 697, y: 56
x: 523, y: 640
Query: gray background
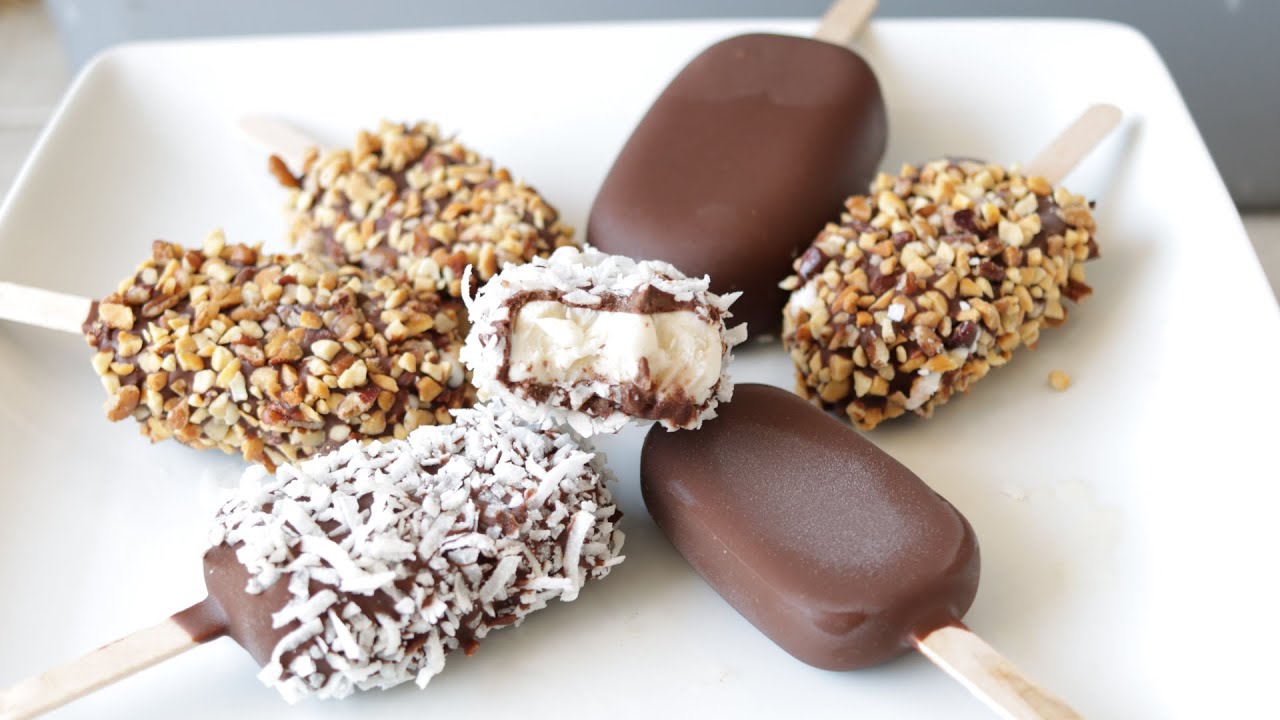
x: 1224, y: 54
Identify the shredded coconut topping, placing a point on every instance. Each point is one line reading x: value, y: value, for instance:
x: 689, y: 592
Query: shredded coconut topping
x: 585, y: 278
x: 397, y: 553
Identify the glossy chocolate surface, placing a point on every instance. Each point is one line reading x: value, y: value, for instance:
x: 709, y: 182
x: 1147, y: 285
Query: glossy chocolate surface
x: 828, y: 545
x: 247, y: 617
x: 745, y: 156
x: 231, y: 610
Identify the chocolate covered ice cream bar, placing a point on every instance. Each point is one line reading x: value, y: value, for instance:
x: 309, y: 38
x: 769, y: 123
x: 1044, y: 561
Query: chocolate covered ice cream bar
x: 408, y: 197
x: 740, y: 160
x: 596, y: 340
x: 929, y: 281
x: 275, y: 357
x: 839, y: 553
x: 367, y: 567
x: 836, y: 551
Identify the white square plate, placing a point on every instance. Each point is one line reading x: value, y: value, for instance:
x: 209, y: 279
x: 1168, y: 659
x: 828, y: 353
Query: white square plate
x: 1128, y: 526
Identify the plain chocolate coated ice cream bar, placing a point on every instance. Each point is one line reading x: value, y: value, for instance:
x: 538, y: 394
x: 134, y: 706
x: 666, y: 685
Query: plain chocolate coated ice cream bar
x: 740, y: 161
x: 833, y: 549
x: 824, y: 542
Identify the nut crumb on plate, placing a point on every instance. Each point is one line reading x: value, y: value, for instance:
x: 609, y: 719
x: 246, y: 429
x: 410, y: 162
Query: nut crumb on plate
x: 1059, y: 380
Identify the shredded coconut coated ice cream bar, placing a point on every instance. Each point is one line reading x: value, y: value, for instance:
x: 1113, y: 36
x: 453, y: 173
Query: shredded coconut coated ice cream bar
x: 366, y: 567
x: 596, y: 340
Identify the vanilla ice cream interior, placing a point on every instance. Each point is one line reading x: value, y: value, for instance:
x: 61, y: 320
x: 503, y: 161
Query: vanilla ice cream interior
x: 556, y: 344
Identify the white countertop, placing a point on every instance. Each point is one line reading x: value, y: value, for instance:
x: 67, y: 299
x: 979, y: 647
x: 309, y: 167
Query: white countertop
x: 33, y: 75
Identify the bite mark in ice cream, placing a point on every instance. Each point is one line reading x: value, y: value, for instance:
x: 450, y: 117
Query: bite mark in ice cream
x: 666, y: 351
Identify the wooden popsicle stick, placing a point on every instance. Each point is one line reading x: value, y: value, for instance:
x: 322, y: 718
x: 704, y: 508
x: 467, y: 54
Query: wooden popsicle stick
x: 60, y: 311
x: 108, y: 664
x: 278, y: 137
x: 43, y: 308
x: 1073, y: 144
x: 844, y: 21
x: 987, y: 674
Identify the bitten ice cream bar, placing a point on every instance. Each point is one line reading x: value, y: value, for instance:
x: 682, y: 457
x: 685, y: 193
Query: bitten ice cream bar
x: 595, y: 340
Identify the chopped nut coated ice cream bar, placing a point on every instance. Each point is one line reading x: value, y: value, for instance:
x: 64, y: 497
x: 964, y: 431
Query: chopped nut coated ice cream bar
x: 275, y: 357
x: 407, y: 197
x: 366, y: 567
x: 596, y: 340
x: 928, y: 282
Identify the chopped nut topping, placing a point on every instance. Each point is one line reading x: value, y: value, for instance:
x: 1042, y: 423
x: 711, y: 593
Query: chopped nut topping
x: 267, y: 355
x: 122, y: 404
x: 115, y: 315
x: 930, y: 280
x: 406, y: 197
